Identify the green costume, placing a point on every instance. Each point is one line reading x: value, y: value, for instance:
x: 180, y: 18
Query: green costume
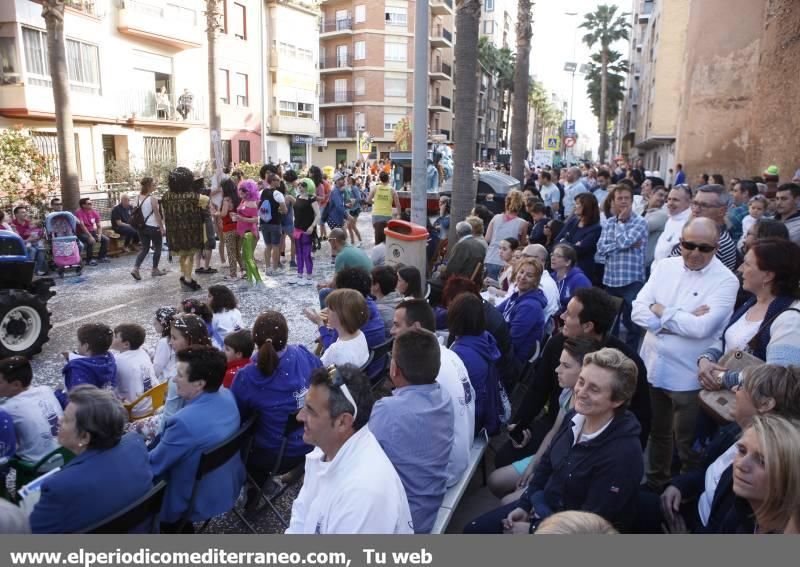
x: 248, y: 250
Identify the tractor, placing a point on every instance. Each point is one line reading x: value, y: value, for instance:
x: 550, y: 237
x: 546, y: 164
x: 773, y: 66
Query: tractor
x: 24, y: 318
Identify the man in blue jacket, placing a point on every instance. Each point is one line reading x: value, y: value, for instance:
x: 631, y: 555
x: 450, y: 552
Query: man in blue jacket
x: 209, y: 417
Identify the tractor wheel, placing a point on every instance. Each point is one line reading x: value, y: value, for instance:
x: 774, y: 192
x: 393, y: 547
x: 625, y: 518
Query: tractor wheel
x: 24, y: 323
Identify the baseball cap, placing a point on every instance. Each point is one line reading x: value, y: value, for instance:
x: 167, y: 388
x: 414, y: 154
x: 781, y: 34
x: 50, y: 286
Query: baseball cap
x: 772, y: 170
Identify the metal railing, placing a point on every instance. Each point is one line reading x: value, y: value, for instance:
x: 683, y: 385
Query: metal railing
x: 327, y: 26
x: 336, y: 62
x: 85, y: 6
x: 339, y: 132
x: 442, y: 68
x: 441, y: 32
x: 336, y: 96
x: 440, y: 101
x: 142, y: 104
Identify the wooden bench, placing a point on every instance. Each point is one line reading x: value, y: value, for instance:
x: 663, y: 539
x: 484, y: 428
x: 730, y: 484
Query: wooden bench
x: 454, y: 494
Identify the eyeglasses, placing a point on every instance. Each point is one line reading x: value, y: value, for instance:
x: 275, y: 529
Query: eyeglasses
x: 700, y: 205
x: 336, y: 381
x: 691, y: 246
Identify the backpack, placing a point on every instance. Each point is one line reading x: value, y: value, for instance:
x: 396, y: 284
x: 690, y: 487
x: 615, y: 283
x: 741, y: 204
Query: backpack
x: 265, y: 211
x: 138, y: 220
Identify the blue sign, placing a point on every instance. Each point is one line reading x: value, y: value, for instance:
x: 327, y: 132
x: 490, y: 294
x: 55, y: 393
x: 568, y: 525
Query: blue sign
x: 569, y: 128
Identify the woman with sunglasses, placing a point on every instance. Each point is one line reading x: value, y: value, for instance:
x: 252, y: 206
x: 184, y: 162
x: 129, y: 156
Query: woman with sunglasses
x: 767, y: 324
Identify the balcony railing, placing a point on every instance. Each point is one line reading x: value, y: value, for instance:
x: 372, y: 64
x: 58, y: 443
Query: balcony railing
x: 339, y: 132
x: 442, y: 101
x: 443, y: 68
x: 332, y: 97
x: 336, y: 62
x: 438, y: 6
x: 86, y: 6
x: 336, y: 25
x: 440, y: 32
x: 445, y: 133
x: 141, y: 105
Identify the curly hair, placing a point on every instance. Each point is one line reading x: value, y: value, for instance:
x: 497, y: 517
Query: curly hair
x: 180, y: 180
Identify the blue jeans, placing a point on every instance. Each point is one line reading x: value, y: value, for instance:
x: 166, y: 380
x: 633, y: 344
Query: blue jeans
x: 493, y: 271
x: 627, y: 293
x: 36, y: 253
x: 323, y: 293
x: 490, y: 522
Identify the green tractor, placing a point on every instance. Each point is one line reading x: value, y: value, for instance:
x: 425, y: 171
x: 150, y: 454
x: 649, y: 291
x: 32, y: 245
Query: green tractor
x: 24, y: 318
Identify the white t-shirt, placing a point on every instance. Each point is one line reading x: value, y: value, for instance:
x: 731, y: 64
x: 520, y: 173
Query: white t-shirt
x: 36, y: 413
x: 135, y: 376
x: 713, y: 474
x: 454, y: 379
x: 550, y: 194
x: 355, y: 351
x: 739, y: 334
x: 164, y: 362
x: 227, y: 321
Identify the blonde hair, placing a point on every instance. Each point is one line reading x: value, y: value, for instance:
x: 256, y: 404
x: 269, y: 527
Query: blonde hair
x: 477, y: 225
x: 537, y: 268
x: 779, y: 438
x: 575, y: 522
x: 351, y: 308
x: 623, y: 369
x: 515, y: 201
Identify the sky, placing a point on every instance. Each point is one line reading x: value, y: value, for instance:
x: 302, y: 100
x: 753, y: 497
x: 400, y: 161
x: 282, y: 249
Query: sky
x: 555, y: 42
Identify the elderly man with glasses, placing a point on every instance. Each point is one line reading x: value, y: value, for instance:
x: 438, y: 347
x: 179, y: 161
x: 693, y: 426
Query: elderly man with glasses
x: 684, y: 305
x: 712, y: 202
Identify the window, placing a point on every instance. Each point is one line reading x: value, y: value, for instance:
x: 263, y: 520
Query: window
x: 9, y: 67
x: 361, y: 14
x: 227, y: 153
x: 360, y: 86
x: 360, y: 120
x: 395, y: 51
x: 396, y: 16
x: 47, y: 144
x: 488, y: 5
x: 395, y: 87
x: 360, y: 50
x: 342, y: 58
x: 83, y: 62
x: 341, y: 126
x: 224, y: 86
x: 239, y: 21
x: 390, y: 120
x: 244, y: 151
x: 241, y: 90
x: 488, y: 27
x: 158, y: 150
x: 305, y: 110
x: 287, y: 108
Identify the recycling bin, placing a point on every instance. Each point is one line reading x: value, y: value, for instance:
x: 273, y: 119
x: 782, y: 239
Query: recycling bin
x: 406, y: 245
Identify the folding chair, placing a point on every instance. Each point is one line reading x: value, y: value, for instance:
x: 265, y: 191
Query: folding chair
x: 157, y: 395
x: 370, y: 358
x: 28, y: 471
x: 380, y: 352
x: 146, y: 508
x: 290, y: 427
x: 214, y: 458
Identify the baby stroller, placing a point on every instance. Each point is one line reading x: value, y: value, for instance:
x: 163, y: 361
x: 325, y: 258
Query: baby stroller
x: 61, y: 229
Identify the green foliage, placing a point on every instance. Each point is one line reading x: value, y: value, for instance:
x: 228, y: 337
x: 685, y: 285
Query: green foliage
x: 23, y: 172
x: 616, y: 83
x: 250, y: 170
x: 118, y: 171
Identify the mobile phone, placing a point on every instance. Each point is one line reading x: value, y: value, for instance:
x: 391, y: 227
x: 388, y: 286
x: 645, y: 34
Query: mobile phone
x: 517, y: 434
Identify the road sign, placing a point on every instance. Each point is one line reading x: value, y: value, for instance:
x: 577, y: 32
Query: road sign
x: 569, y: 128
x: 365, y: 143
x: 552, y: 143
x: 542, y: 158
x: 569, y: 142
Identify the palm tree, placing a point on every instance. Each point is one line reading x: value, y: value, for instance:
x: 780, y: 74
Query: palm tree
x: 213, y: 14
x: 604, y: 28
x: 519, y: 121
x: 617, y: 70
x: 53, y: 14
x: 506, y: 61
x: 468, y: 15
x: 538, y: 102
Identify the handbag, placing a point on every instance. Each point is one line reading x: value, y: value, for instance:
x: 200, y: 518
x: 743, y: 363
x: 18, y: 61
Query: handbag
x: 138, y: 220
x: 720, y: 403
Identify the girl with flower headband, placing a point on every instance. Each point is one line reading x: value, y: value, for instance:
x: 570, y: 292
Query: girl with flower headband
x: 163, y: 356
x: 202, y: 310
x: 247, y: 227
x: 273, y: 388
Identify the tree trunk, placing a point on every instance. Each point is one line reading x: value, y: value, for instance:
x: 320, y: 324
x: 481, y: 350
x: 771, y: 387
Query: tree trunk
x: 212, y: 25
x: 53, y: 14
x: 468, y: 15
x: 603, y: 105
x: 519, y: 120
x: 507, y: 119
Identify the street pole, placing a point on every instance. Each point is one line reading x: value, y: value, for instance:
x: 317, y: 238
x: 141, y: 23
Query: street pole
x: 419, y: 134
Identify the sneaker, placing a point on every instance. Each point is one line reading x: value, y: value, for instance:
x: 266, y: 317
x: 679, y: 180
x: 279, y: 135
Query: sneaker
x: 293, y: 281
x: 201, y: 270
x: 292, y: 264
x: 136, y: 275
x: 156, y: 272
x: 186, y: 286
x: 211, y: 271
x: 92, y: 262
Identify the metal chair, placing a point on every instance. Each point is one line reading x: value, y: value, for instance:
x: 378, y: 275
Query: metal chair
x: 134, y: 516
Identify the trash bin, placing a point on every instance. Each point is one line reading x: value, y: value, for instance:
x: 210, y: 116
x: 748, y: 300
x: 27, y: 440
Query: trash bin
x: 406, y: 245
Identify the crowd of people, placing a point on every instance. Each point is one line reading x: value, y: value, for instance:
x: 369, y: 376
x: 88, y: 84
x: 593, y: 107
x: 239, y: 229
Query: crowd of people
x: 588, y: 323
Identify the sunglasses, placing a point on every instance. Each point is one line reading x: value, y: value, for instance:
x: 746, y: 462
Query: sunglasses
x: 335, y: 380
x: 692, y: 246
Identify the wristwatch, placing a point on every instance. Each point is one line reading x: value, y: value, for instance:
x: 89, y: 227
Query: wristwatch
x: 706, y: 356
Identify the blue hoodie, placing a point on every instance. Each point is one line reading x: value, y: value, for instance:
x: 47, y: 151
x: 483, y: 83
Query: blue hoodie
x: 480, y: 356
x: 99, y: 370
x: 274, y: 397
x: 525, y: 317
x: 575, y: 279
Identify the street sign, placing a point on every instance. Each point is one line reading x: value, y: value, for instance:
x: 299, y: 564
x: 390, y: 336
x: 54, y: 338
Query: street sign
x: 365, y: 143
x: 296, y: 139
x: 569, y: 128
x: 321, y: 142
x: 552, y: 143
x: 569, y: 142
x: 542, y: 158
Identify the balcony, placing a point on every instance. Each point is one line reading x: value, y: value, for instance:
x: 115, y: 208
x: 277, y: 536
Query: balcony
x: 138, y: 107
x: 441, y: 7
x: 637, y: 70
x: 335, y: 28
x: 644, y: 13
x: 170, y: 24
x: 87, y: 7
x: 336, y: 98
x: 293, y: 125
x: 441, y: 133
x: 439, y: 104
x: 336, y: 63
x: 441, y: 37
x: 339, y: 132
x: 441, y: 72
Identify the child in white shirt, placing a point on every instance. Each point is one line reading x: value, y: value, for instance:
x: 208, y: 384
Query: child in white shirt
x: 347, y: 313
x: 757, y: 206
x: 135, y: 372
x: 164, y: 362
x: 222, y: 302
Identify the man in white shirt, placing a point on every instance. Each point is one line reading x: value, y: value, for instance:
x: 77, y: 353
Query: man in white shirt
x: 684, y: 306
x: 350, y: 485
x: 679, y: 203
x: 549, y: 192
x: 574, y: 187
x: 547, y: 284
x: 35, y: 410
x: 454, y: 379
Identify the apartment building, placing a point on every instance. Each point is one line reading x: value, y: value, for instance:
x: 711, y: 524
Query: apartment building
x: 129, y: 62
x: 650, y: 113
x: 366, y: 73
x: 498, y: 22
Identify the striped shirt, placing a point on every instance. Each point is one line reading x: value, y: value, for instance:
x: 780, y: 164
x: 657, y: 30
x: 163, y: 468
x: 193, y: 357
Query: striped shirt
x: 623, y: 245
x: 726, y: 250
